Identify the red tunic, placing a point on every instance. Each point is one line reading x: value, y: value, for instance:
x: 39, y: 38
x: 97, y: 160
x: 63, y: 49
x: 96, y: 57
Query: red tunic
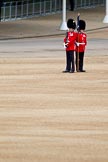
x: 71, y: 39
x: 81, y: 38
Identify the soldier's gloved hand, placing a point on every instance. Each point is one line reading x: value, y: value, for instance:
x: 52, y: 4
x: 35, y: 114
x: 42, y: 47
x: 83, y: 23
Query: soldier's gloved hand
x: 77, y: 44
x: 65, y: 45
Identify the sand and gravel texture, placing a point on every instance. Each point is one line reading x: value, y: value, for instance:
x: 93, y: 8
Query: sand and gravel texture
x: 49, y: 116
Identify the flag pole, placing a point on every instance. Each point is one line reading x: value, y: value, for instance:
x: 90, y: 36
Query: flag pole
x: 63, y: 25
x: 106, y: 17
x: 78, y: 17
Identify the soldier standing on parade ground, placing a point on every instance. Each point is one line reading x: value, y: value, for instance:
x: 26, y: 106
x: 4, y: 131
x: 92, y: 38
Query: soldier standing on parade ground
x: 1, y: 3
x: 69, y: 44
x: 72, y: 5
x: 81, y: 42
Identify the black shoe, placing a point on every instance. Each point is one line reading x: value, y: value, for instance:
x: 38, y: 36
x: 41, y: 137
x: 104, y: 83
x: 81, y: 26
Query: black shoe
x: 71, y: 71
x: 82, y: 71
x: 66, y: 71
x: 72, y: 9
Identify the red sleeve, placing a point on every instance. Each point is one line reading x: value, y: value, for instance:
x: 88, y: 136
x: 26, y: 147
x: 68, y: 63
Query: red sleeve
x: 85, y: 39
x: 64, y: 40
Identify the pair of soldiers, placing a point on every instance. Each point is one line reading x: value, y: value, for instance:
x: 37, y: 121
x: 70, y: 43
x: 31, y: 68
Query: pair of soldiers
x: 75, y: 42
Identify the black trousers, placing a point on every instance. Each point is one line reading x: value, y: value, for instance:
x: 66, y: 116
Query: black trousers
x: 80, y: 61
x: 70, y: 63
x: 72, y: 5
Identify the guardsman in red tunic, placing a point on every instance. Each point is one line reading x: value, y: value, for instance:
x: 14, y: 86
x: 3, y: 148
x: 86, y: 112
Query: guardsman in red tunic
x: 70, y: 46
x: 80, y: 49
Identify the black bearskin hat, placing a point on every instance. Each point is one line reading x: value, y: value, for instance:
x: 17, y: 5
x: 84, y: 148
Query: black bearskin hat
x: 71, y: 24
x: 82, y: 25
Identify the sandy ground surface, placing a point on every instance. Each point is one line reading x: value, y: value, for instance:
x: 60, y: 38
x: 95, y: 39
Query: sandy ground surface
x: 49, y: 116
